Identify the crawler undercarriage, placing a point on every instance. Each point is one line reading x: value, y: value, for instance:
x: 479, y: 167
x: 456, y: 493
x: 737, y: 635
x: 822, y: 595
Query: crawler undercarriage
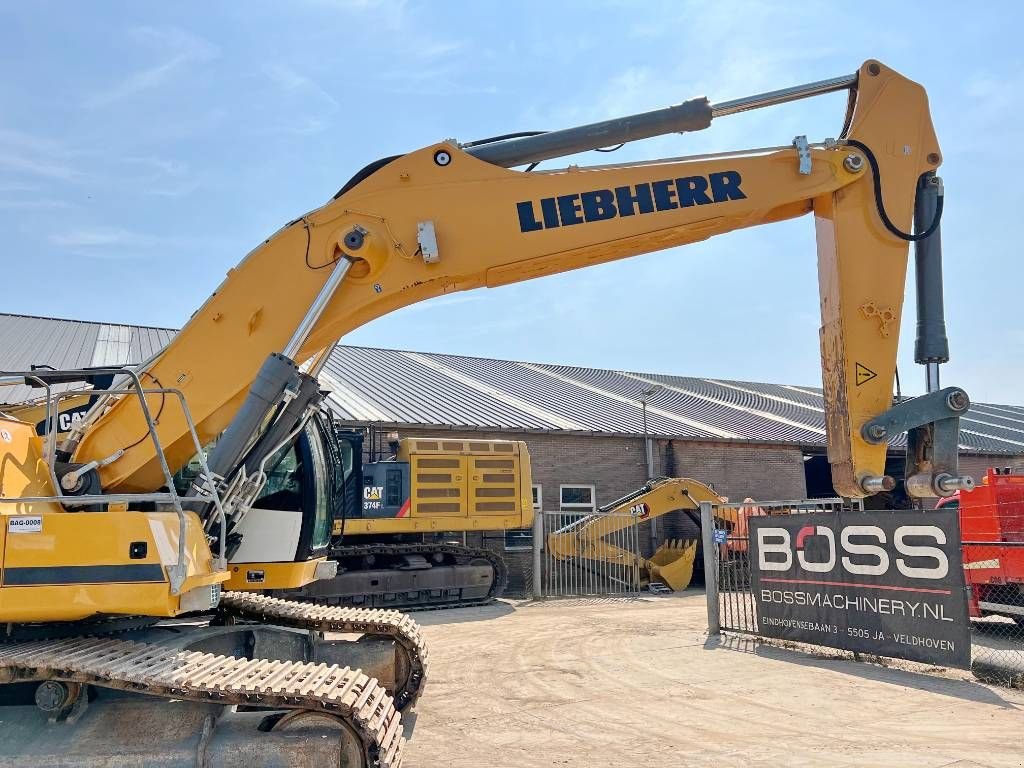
x: 237, y: 688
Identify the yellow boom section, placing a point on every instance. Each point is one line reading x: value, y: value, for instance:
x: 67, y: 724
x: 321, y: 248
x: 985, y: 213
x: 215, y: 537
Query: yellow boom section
x: 671, y: 564
x: 488, y: 226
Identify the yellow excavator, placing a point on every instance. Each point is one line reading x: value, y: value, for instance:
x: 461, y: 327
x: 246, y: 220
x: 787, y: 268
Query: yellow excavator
x: 670, y: 568
x: 390, y: 519
x: 124, y: 600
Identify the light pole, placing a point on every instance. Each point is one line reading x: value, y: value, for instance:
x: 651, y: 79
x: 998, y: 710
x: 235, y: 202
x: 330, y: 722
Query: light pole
x: 648, y: 447
x: 649, y: 450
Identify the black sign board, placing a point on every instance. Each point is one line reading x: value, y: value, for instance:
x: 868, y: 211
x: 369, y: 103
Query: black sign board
x: 885, y: 583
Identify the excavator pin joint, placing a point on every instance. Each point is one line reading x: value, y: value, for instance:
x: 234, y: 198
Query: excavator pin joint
x: 853, y: 163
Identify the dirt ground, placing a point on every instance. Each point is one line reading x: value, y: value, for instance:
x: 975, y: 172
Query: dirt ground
x: 636, y: 683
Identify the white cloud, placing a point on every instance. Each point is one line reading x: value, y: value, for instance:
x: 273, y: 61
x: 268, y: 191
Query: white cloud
x: 388, y: 14
x: 443, y: 302
x: 27, y: 204
x: 104, y: 237
x: 104, y: 242
x: 158, y: 176
x: 289, y: 79
x: 16, y: 186
x: 36, y: 156
x: 180, y: 48
x: 118, y: 243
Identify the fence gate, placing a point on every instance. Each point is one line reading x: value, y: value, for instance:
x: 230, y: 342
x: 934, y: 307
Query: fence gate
x: 726, y: 565
x: 588, y: 555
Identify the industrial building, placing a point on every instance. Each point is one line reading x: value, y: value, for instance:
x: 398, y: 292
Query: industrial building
x: 585, y: 427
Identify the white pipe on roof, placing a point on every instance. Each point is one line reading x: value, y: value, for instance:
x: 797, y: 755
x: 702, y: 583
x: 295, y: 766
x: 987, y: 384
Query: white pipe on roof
x: 1003, y: 409
x: 735, y: 406
x: 990, y: 437
x: 786, y: 400
x: 360, y: 408
x: 989, y: 423
x: 801, y: 390
x: 635, y: 403
x: 534, y: 410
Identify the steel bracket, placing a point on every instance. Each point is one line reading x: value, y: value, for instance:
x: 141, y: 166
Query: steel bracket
x: 923, y: 411
x: 933, y: 460
x: 932, y: 424
x: 176, y: 574
x: 803, y: 152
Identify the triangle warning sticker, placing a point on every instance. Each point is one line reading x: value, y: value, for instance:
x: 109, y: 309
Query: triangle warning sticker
x: 864, y: 374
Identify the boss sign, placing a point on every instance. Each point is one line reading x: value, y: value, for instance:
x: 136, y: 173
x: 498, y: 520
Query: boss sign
x: 887, y: 583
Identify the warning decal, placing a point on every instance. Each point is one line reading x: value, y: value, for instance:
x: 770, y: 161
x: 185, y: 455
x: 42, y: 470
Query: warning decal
x: 864, y: 374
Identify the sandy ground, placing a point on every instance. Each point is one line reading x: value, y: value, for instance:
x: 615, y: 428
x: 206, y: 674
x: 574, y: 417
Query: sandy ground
x: 637, y: 683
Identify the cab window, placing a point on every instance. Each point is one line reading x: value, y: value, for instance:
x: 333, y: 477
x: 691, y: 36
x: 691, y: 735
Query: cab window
x: 283, y: 489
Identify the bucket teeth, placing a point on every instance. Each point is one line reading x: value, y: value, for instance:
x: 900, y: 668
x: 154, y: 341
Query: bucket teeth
x: 672, y: 563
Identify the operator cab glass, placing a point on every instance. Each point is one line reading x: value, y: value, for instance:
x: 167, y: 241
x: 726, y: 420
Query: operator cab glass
x: 307, y: 477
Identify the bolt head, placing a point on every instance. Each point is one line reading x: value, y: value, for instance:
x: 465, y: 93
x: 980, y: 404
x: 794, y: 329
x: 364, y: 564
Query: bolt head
x: 853, y: 163
x: 876, y: 431
x: 958, y: 400
x: 354, y: 239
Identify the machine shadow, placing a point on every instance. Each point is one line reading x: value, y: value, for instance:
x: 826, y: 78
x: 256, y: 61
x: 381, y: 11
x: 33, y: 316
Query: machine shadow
x: 493, y: 610
x: 966, y: 690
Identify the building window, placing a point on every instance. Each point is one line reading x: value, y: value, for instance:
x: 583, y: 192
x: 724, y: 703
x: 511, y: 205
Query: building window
x: 522, y: 538
x: 577, y: 498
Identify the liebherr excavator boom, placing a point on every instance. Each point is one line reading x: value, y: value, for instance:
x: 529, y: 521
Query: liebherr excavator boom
x: 94, y: 526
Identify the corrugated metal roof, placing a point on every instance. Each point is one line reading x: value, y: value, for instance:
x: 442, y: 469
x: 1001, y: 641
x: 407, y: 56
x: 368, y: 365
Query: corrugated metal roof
x: 402, y: 387
x: 26, y: 341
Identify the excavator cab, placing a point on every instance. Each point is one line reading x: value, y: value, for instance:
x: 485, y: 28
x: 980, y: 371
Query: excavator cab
x: 283, y: 540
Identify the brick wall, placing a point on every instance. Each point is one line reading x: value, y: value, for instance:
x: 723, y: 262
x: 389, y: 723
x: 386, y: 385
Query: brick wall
x: 976, y: 466
x: 761, y: 472
x: 616, y: 465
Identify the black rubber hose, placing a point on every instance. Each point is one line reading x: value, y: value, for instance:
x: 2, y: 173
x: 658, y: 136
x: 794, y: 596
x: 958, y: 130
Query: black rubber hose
x: 876, y: 179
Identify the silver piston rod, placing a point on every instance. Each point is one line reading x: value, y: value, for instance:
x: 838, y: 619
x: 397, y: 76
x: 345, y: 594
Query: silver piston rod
x: 693, y: 115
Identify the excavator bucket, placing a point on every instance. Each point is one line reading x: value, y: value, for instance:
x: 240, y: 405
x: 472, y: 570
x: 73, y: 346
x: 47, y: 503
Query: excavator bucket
x: 672, y: 563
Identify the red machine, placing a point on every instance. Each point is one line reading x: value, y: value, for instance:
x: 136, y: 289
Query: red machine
x: 992, y: 531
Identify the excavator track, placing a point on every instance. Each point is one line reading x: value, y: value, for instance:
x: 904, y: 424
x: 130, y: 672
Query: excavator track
x: 322, y: 618
x: 319, y: 593
x: 360, y: 702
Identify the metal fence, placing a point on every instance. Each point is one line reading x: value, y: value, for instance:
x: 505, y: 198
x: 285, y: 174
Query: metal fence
x: 726, y: 564
x: 586, y: 555
x: 993, y: 555
x: 994, y: 572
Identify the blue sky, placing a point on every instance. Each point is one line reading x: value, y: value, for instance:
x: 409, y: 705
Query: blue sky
x: 145, y: 148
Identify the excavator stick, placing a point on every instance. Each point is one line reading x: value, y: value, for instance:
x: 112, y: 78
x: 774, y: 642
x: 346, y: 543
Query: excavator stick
x: 672, y: 563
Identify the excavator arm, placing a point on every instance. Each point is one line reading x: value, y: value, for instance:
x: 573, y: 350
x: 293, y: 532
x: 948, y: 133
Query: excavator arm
x: 450, y: 218
x: 671, y: 564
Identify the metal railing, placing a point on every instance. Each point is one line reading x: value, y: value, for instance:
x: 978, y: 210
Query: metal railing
x: 595, y: 554
x: 45, y: 379
x: 726, y: 564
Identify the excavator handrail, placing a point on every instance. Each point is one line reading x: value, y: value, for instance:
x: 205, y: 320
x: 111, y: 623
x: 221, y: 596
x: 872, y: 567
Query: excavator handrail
x: 45, y: 380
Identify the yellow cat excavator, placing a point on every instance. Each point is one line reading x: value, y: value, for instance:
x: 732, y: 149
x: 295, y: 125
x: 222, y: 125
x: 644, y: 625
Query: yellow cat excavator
x: 120, y: 595
x: 592, y: 538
